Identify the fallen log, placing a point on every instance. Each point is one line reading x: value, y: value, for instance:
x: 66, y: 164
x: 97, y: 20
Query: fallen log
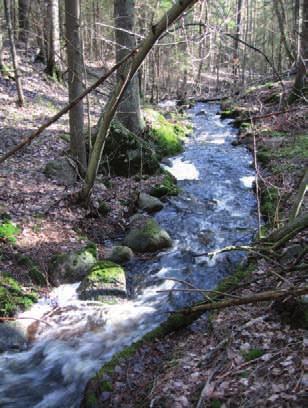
x: 259, y: 297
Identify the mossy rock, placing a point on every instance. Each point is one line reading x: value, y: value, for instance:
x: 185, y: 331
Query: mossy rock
x: 13, y: 298
x: 168, y: 137
x: 71, y: 267
x: 121, y: 254
x: 105, y: 278
x: 36, y: 276
x: 149, y: 237
x: 168, y: 187
x: 61, y: 170
x: 126, y: 154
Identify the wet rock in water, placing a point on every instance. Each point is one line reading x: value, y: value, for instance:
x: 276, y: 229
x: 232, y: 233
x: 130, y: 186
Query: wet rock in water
x: 149, y: 203
x: 12, y: 337
x: 121, y: 254
x: 147, y: 236
x: 71, y: 267
x: 206, y: 237
x: 105, y: 279
x: 61, y: 170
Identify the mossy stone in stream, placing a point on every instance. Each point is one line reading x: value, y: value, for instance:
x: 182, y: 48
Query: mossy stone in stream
x: 168, y: 187
x: 105, y: 278
x: 71, y: 267
x: 149, y: 237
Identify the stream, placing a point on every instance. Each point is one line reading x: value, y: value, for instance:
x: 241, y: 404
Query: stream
x: 216, y: 208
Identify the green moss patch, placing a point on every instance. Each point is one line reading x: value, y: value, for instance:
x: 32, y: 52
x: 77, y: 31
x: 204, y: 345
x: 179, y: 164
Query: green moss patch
x: 8, y: 231
x: 106, y: 272
x: 13, y: 298
x: 168, y: 137
x: 252, y: 354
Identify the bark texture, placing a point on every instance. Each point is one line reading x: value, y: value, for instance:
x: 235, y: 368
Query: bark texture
x: 129, y: 113
x: 75, y: 85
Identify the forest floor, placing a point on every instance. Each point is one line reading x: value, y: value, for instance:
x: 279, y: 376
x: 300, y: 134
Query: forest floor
x: 249, y: 356
x: 38, y: 205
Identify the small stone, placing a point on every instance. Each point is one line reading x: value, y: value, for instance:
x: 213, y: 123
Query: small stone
x: 105, y: 396
x: 121, y: 254
x: 61, y: 170
x: 149, y: 203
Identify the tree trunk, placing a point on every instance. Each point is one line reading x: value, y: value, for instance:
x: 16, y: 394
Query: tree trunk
x: 129, y: 113
x: 13, y: 52
x: 23, y: 20
x: 75, y: 85
x: 236, y: 61
x: 54, y: 52
x: 302, y: 62
x: 282, y: 28
x: 131, y: 68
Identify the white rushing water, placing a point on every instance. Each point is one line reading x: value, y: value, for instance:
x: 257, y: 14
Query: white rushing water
x: 215, y: 208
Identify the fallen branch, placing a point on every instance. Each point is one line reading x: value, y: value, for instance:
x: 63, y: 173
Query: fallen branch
x: 259, y: 297
x: 63, y: 111
x: 268, y: 115
x: 225, y: 249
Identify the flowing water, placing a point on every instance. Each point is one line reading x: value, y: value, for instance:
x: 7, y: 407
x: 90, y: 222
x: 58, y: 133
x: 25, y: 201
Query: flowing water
x: 215, y: 208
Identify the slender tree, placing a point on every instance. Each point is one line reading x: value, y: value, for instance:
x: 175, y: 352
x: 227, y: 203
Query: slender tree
x: 8, y: 18
x: 75, y: 85
x: 302, y: 62
x: 54, y: 51
x: 129, y: 112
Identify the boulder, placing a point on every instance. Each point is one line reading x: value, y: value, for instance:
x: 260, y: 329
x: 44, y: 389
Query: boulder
x: 71, y: 267
x: 61, y: 170
x: 121, y: 254
x: 125, y: 154
x: 149, y: 203
x: 105, y: 279
x: 148, y: 236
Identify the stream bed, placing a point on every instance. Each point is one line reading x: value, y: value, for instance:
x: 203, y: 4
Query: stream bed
x: 216, y: 208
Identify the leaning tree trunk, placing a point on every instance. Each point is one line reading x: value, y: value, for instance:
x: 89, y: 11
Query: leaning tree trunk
x: 54, y: 50
x: 302, y: 62
x: 129, y: 112
x: 75, y: 85
x: 128, y: 73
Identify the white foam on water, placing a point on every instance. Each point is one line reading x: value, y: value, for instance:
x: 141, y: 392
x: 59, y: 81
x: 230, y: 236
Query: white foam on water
x: 182, y: 169
x: 247, y: 181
